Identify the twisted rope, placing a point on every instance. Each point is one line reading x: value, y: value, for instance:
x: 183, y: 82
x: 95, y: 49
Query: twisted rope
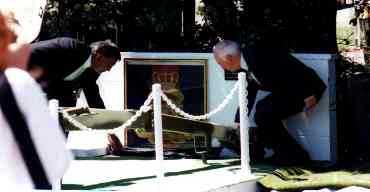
x: 144, y: 108
x: 74, y: 122
x: 204, y: 116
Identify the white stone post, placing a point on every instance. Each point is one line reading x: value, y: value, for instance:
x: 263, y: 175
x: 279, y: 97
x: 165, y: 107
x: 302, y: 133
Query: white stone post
x: 157, y: 107
x: 244, y: 124
x: 53, y: 109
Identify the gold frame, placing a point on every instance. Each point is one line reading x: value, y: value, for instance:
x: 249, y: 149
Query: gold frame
x: 168, y: 61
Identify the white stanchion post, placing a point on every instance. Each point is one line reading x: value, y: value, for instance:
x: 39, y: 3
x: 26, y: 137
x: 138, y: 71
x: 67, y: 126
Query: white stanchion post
x: 244, y: 124
x: 53, y: 108
x: 157, y: 107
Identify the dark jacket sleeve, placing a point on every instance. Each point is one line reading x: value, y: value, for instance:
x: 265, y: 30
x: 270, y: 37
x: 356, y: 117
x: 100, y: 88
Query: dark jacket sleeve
x: 283, y: 74
x: 315, y: 86
x: 303, y: 79
x: 91, y: 89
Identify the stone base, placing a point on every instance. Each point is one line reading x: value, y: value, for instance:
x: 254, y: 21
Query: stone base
x: 87, y: 143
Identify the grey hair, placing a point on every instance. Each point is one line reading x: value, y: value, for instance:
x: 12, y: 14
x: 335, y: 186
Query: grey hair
x: 227, y: 47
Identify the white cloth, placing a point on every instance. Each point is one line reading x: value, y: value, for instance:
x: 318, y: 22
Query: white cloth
x: 260, y: 95
x: 46, y: 134
x: 79, y: 71
x: 243, y: 64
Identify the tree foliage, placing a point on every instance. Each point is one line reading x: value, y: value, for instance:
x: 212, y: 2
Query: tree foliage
x: 84, y: 19
x: 300, y: 25
x: 162, y: 25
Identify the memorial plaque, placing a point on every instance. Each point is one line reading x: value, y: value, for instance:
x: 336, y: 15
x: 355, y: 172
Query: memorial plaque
x: 184, y: 81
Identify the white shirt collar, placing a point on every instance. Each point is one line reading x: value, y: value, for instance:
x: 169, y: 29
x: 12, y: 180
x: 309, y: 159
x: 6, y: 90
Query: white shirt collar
x: 79, y: 71
x: 243, y: 64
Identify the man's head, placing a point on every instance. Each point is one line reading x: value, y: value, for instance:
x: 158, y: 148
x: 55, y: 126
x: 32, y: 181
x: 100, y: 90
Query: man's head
x: 12, y: 23
x: 104, y: 55
x: 5, y: 39
x: 227, y: 55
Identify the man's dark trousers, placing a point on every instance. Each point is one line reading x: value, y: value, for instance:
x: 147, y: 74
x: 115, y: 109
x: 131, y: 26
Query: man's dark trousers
x: 270, y: 111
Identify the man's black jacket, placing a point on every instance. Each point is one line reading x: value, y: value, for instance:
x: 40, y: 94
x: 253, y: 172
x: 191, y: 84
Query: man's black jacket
x: 59, y: 58
x: 289, y: 80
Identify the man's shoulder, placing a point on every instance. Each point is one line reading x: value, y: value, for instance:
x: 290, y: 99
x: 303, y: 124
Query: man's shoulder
x: 59, y: 50
x: 59, y: 42
x: 58, y: 39
x: 68, y: 40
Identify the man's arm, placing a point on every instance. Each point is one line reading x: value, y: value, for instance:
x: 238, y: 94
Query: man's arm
x: 303, y: 81
x: 314, y: 87
x: 93, y: 97
x: 91, y: 89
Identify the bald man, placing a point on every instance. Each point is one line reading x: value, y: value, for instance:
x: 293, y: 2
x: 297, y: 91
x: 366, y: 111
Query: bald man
x: 293, y: 88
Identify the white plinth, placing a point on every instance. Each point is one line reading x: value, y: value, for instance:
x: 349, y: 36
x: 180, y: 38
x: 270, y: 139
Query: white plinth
x: 317, y: 134
x: 87, y: 143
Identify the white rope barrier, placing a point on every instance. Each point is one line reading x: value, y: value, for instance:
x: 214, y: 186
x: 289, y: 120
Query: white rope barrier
x: 204, y: 116
x: 144, y: 108
x: 158, y: 94
x: 74, y: 122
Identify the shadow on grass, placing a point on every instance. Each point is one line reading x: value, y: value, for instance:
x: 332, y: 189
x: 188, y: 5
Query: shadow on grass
x: 259, y: 169
x: 121, y: 182
x: 210, y: 166
x: 130, y: 181
x: 117, y: 158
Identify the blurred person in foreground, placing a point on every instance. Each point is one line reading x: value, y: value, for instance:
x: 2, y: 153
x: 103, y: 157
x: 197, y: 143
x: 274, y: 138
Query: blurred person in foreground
x: 33, y: 154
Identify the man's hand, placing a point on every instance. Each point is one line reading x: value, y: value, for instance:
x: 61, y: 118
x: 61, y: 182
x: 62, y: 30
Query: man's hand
x: 114, y: 147
x: 310, y: 103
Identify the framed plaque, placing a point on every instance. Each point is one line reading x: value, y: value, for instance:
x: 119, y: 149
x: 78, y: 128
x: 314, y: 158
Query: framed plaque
x: 184, y: 81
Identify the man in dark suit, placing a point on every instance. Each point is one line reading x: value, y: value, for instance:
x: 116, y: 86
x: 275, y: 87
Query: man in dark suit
x: 293, y: 88
x: 64, y: 65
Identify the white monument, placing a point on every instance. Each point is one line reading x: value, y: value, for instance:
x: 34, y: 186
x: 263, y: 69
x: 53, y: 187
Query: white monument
x: 317, y: 133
